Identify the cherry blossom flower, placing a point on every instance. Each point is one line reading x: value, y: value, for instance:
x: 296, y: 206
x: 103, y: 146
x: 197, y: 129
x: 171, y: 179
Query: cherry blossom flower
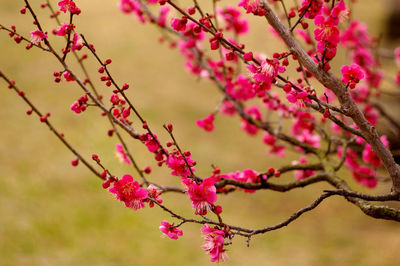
x: 121, y: 155
x: 326, y: 30
x: 351, y: 75
x: 150, y: 142
x: 312, y: 8
x: 203, y: 195
x: 370, y: 157
x: 255, y: 114
x: 169, y: 230
x: 130, y: 192
x: 77, y: 42
x: 65, y: 29
x: 177, y: 163
x: 268, y: 70
x: 37, y: 36
x: 365, y: 176
x: 70, y: 6
x: 155, y: 193
x: 232, y: 19
x: 207, y: 123
x: 252, y: 6
x: 79, y: 106
x: 214, y: 245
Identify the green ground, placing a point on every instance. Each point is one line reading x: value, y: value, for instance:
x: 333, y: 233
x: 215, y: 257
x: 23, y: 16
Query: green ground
x: 53, y: 214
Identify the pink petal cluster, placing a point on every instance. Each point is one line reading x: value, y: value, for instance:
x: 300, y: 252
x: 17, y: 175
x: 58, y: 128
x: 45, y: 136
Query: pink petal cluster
x: 214, y: 243
x: 253, y: 6
x: 311, y: 8
x: 351, y: 75
x: 155, y: 193
x: 65, y: 29
x: 37, y: 36
x: 362, y: 174
x: 79, y: 106
x: 232, y: 19
x: 70, y: 6
x: 130, y: 192
x: 203, y: 195
x: 176, y: 162
x: 207, y: 123
x: 246, y: 176
x: 77, y: 42
x: 169, y: 230
x: 255, y: 114
x: 132, y: 6
x: 270, y: 140
x: 268, y: 70
x: 121, y: 155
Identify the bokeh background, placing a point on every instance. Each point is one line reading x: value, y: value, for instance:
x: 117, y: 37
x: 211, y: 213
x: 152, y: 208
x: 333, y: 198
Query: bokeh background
x: 55, y: 214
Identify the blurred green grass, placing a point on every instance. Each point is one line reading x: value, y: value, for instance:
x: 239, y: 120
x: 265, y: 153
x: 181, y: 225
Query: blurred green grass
x: 54, y: 214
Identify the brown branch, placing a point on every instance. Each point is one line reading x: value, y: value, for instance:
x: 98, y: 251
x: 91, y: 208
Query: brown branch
x: 271, y: 186
x: 50, y: 126
x: 334, y: 84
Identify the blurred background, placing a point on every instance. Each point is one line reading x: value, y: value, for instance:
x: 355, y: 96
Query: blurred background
x: 55, y: 214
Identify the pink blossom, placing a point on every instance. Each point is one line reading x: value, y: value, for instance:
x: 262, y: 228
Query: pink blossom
x: 68, y: 76
x: 365, y: 176
x: 150, y: 142
x: 311, y: 10
x: 339, y: 12
x: 307, y: 138
x: 176, y: 162
x: 270, y: 140
x: 356, y: 35
x: 228, y: 108
x: 121, y: 155
x: 255, y: 114
x: 214, y: 245
x: 302, y: 174
x: 70, y: 6
x: 252, y: 6
x: 65, y: 29
x: 351, y: 75
x: 203, y: 195
x: 179, y: 24
x: 132, y: 6
x: 37, y: 36
x: 241, y: 89
x: 207, y: 123
x: 298, y: 97
x: 130, y: 192
x: 326, y: 30
x: 126, y: 6
x: 232, y: 19
x: 169, y: 230
x: 267, y: 72
x: 77, y: 42
x: 79, y: 106
x: 370, y: 157
x: 162, y: 17
x: 155, y: 193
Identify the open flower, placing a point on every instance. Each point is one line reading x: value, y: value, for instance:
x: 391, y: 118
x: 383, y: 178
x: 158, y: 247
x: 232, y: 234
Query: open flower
x: 169, y: 230
x: 37, y: 36
x: 130, y: 192
x: 214, y: 245
x: 203, y: 196
x: 351, y: 75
